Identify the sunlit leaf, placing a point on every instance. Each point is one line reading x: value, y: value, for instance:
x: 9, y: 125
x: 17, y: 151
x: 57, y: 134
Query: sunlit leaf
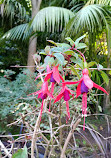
x: 80, y: 38
x: 70, y: 40
x: 90, y: 64
x: 21, y: 153
x: 75, y: 72
x: 105, y: 77
x: 60, y: 57
x: 80, y: 45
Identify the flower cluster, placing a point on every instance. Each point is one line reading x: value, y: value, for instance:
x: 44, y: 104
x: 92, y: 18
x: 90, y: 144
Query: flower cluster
x: 53, y: 76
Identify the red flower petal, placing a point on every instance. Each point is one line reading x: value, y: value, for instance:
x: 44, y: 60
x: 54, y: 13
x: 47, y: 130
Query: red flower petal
x: 52, y: 87
x: 78, y: 91
x: 71, y: 82
x: 48, y: 68
x: 48, y: 76
x: 41, y: 75
x: 100, y: 88
x: 61, y: 78
x: 56, y: 74
x: 58, y: 97
x: 35, y: 93
x: 45, y: 87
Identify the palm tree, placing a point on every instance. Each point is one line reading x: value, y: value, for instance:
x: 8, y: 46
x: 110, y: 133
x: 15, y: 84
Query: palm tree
x: 52, y: 17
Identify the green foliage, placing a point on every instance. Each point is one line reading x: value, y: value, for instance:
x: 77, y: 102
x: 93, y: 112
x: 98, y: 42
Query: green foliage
x: 12, y: 93
x: 21, y: 153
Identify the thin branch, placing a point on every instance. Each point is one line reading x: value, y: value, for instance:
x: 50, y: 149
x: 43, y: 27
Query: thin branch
x: 18, y: 66
x: 5, y: 150
x: 69, y: 137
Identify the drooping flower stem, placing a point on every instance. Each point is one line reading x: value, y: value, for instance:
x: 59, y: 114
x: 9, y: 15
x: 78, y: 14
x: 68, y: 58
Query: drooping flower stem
x: 80, y: 54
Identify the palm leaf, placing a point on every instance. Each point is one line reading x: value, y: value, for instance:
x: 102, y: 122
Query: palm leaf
x: 103, y: 2
x: 11, y: 7
x: 89, y: 18
x: 54, y: 18
x: 18, y: 32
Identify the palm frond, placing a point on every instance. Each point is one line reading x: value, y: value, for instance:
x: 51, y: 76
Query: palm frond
x: 52, y: 18
x: 12, y: 7
x: 18, y: 32
x: 101, y: 2
x: 89, y: 18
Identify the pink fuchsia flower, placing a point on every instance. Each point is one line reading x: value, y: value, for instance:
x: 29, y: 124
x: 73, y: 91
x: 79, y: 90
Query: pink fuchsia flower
x: 65, y: 93
x: 53, y: 75
x: 43, y: 93
x: 85, y: 83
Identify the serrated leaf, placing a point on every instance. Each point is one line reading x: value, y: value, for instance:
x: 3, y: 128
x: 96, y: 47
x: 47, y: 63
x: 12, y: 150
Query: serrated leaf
x: 81, y: 45
x: 75, y: 72
x: 91, y: 63
x: 21, y: 153
x: 70, y: 40
x: 105, y: 77
x: 60, y: 57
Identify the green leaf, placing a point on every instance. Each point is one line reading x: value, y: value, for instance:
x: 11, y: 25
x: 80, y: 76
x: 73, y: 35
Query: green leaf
x: 51, y: 61
x: 51, y: 41
x: 70, y: 40
x: 69, y: 52
x: 56, y: 49
x: 78, y: 61
x: 43, y: 53
x: 105, y: 77
x: 60, y: 57
x: 100, y: 109
x: 46, y: 60
x: 21, y: 153
x: 92, y: 63
x: 65, y: 45
x: 75, y: 72
x: 110, y: 72
x: 80, y: 38
x: 80, y: 45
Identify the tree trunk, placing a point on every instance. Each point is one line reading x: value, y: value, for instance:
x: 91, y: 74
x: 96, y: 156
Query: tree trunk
x: 107, y: 97
x: 33, y: 40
